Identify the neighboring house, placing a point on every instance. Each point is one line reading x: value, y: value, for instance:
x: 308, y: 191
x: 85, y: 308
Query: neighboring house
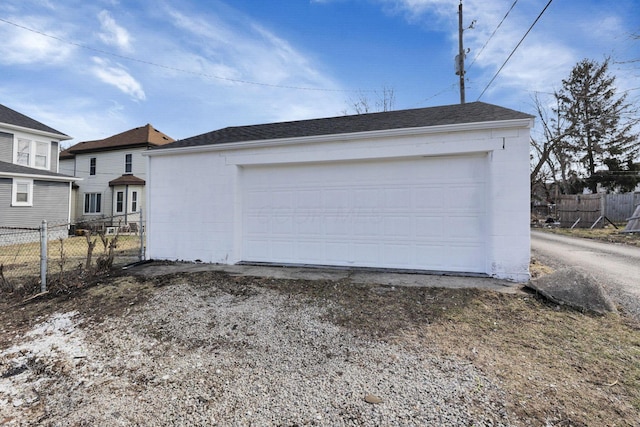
x: 31, y: 187
x: 113, y: 174
x: 442, y: 189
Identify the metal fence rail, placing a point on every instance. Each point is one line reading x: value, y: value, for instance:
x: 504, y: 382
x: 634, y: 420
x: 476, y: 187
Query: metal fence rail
x: 30, y: 258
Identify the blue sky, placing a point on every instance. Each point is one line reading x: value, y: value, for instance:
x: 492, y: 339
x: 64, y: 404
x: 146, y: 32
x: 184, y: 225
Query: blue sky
x: 94, y: 69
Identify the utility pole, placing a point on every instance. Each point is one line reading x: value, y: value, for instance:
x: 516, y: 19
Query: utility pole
x: 460, y: 56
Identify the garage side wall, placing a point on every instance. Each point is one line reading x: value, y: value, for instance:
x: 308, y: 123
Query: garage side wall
x: 194, y: 199
x: 509, y: 234
x: 190, y: 208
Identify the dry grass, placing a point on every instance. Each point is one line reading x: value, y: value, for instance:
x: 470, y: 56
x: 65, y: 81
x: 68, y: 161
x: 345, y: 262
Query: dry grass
x: 24, y: 259
x: 607, y: 234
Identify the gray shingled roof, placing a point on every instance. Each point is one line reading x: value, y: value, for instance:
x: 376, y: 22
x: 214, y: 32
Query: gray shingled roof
x: 12, y: 117
x: 473, y: 112
x: 10, y: 168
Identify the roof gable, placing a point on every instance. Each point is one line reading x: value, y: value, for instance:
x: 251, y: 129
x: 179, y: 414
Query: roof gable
x: 144, y: 136
x: 13, y: 118
x: 474, y: 112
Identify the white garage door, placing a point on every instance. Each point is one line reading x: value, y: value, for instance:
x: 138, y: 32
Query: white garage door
x: 422, y: 213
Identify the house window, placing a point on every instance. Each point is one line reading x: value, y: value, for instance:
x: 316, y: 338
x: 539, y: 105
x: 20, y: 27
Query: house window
x: 92, y: 166
x: 119, y: 201
x: 92, y: 203
x: 34, y: 154
x: 128, y: 163
x: 134, y: 201
x: 22, y: 194
x: 42, y: 155
x: 24, y: 152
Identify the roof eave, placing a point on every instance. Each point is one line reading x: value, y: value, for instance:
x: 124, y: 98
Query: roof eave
x: 40, y: 177
x: 58, y: 136
x: 110, y: 148
x: 459, y: 127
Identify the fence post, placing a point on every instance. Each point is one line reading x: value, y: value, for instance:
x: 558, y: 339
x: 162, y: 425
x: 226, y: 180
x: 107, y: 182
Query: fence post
x: 43, y: 256
x: 141, y: 238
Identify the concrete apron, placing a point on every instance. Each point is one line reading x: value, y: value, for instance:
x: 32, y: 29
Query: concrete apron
x: 363, y: 276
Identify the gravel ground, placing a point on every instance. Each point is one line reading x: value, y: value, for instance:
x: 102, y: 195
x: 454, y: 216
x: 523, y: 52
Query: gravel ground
x: 220, y: 354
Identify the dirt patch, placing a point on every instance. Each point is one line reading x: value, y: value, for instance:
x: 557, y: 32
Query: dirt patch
x: 556, y: 366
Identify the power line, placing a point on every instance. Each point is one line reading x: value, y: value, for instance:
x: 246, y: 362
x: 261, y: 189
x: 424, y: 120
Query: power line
x: 166, y: 67
x: 492, y: 34
x: 514, y: 49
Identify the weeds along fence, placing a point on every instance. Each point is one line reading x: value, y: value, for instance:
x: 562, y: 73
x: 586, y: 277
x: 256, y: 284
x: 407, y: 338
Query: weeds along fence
x: 30, y: 258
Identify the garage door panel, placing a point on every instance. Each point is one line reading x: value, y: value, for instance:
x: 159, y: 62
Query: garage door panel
x: 464, y: 226
x: 397, y: 226
x: 308, y: 199
x: 282, y: 224
x: 285, y: 248
x: 465, y: 197
x: 309, y: 224
x: 337, y: 226
x: 308, y: 251
x: 424, y: 213
x: 463, y: 254
x: 433, y: 255
x: 337, y: 252
x: 430, y: 227
x: 399, y: 256
x: 430, y: 198
x: 366, y: 198
x: 367, y: 226
x: 365, y: 254
x: 335, y: 199
x: 397, y: 198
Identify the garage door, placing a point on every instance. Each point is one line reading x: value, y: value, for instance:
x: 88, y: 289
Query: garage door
x: 420, y: 213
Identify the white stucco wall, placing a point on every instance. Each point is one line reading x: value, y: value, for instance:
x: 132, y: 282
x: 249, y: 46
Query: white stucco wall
x: 193, y: 194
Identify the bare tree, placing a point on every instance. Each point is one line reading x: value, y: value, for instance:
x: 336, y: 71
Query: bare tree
x: 384, y: 101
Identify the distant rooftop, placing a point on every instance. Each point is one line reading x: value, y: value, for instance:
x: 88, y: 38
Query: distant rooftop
x: 145, y: 135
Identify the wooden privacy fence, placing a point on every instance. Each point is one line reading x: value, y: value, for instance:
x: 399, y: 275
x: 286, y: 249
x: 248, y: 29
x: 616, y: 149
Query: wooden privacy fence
x: 594, y: 210
x: 619, y: 207
x: 579, y: 210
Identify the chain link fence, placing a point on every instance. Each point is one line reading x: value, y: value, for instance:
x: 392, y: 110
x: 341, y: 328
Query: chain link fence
x: 61, y: 256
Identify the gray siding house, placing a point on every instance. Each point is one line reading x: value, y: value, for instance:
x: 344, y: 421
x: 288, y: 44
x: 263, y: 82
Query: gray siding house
x: 31, y: 187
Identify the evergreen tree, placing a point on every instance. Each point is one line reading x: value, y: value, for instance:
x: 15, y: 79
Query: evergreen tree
x: 598, y: 124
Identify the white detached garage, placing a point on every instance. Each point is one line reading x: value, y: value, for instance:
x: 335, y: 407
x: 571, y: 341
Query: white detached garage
x: 441, y: 189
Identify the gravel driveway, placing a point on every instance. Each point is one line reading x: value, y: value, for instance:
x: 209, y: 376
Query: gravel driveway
x: 220, y: 353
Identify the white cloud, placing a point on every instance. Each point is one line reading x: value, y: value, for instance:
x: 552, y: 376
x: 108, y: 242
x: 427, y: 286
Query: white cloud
x: 20, y: 46
x: 245, y: 51
x: 113, y: 34
x: 117, y: 76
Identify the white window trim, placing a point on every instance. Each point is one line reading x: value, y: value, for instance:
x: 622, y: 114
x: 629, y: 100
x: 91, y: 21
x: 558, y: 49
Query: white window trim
x: 130, y: 164
x: 33, y: 143
x: 123, y: 208
x: 14, y: 192
x: 83, y: 203
x: 137, y: 201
